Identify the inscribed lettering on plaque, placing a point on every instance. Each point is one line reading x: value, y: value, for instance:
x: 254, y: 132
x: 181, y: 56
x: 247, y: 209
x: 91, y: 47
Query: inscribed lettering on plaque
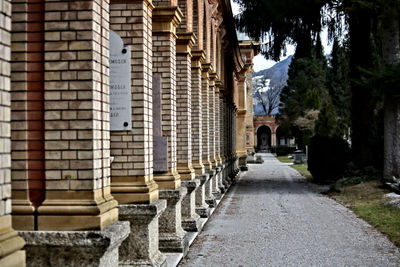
x: 120, y: 84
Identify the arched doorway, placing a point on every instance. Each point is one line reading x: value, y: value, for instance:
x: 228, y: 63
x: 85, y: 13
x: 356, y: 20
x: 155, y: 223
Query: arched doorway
x: 263, y: 139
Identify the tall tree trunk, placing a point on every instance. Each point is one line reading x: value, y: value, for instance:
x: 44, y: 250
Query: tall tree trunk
x: 391, y: 56
x: 366, y: 145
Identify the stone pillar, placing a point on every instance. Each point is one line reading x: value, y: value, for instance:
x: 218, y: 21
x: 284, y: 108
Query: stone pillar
x: 273, y: 139
x: 197, y: 102
x: 78, y: 204
x: 132, y: 182
x: 10, y: 243
x: 165, y: 20
x: 190, y: 219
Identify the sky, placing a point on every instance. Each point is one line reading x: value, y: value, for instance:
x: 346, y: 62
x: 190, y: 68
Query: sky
x: 260, y: 63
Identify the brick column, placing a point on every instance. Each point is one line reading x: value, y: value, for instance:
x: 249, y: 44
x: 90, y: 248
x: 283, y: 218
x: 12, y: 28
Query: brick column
x: 198, y: 57
x: 205, y: 80
x: 214, y: 183
x: 185, y: 43
x: 217, y: 116
x: 77, y: 142
x: 190, y: 219
x: 165, y: 21
x: 132, y: 167
x: 132, y: 182
x: 197, y: 112
x: 10, y: 243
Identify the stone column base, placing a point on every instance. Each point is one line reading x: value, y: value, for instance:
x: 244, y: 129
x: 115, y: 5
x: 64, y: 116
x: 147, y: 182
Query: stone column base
x: 210, y: 198
x: 75, y: 248
x: 201, y: 207
x: 10, y: 244
x: 190, y: 219
x: 215, y: 187
x: 243, y: 163
x: 172, y: 237
x: 141, y: 246
x: 221, y: 179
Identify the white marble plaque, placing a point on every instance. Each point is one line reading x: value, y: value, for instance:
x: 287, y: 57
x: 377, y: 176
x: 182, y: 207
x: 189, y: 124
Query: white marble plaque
x: 120, y: 84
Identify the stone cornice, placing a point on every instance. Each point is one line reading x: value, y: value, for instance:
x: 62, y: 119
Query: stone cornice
x: 166, y: 19
x: 206, y: 67
x: 198, y: 57
x: 185, y: 42
x: 148, y: 3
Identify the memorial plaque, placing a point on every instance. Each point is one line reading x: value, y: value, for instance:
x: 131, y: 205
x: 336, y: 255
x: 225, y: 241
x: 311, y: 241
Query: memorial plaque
x: 160, y: 143
x: 120, y: 84
x: 160, y: 154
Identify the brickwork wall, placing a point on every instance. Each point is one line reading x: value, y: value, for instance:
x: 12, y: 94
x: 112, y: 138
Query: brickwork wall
x: 207, y: 31
x: 5, y: 73
x: 27, y: 96
x: 186, y: 24
x: 184, y: 109
x: 132, y: 150
x: 198, y: 16
x: 205, y: 117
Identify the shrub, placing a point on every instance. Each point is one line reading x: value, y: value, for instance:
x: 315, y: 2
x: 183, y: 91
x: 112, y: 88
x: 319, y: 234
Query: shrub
x: 284, y: 150
x: 327, y: 158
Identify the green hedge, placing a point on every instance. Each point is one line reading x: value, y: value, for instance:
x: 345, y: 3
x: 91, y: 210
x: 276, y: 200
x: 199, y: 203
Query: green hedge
x: 285, y: 150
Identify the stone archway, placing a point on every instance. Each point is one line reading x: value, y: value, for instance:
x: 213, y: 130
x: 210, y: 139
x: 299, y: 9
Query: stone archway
x: 264, y: 138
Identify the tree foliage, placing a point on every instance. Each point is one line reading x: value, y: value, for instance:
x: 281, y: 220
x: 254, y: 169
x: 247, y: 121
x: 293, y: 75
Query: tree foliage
x: 267, y: 96
x: 362, y: 69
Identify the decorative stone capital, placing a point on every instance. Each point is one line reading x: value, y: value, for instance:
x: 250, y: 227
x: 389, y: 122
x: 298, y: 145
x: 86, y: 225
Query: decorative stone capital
x: 206, y: 69
x: 166, y: 19
x: 198, y: 57
x: 185, y: 42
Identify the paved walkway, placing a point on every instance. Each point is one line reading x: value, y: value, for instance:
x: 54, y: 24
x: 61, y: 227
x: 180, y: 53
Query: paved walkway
x: 272, y: 217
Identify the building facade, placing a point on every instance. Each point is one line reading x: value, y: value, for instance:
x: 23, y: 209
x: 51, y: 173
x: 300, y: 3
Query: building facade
x: 122, y: 124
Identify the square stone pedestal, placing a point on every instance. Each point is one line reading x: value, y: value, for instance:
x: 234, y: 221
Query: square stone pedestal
x: 141, y: 246
x: 190, y: 219
x: 210, y: 198
x: 215, y: 183
x: 243, y: 163
x: 201, y: 207
x: 172, y: 236
x: 75, y: 248
x: 221, y: 178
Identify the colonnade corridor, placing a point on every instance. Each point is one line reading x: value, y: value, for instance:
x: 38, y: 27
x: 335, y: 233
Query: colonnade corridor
x: 273, y: 217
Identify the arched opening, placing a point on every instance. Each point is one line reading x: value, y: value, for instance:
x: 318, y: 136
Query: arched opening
x: 263, y: 139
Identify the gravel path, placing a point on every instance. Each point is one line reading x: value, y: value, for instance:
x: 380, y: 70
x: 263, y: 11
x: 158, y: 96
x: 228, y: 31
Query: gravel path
x: 272, y: 217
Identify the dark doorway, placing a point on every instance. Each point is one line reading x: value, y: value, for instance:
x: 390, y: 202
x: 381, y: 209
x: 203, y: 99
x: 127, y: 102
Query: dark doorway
x: 264, y: 139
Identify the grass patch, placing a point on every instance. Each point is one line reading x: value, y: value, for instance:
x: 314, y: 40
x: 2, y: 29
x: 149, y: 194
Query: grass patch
x: 366, y: 200
x: 301, y: 168
x: 283, y: 159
